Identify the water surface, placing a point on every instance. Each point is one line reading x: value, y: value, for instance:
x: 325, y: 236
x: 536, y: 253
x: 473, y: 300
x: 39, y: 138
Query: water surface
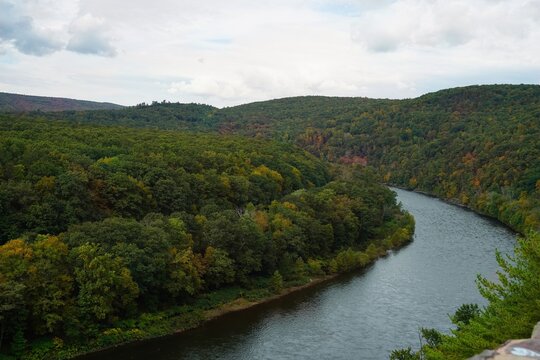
x: 359, y: 316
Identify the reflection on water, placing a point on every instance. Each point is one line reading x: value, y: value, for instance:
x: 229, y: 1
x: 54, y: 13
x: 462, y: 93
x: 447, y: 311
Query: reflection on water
x: 360, y: 316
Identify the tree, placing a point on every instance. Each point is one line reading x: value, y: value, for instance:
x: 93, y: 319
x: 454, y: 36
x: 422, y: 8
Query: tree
x: 276, y: 282
x: 50, y: 284
x: 433, y: 337
x: 219, y: 268
x: 512, y: 310
x: 404, y: 354
x: 11, y: 302
x: 106, y: 289
x: 144, y: 245
x: 184, y: 273
x: 15, y: 257
x: 240, y: 237
x: 464, y: 314
x: 299, y: 268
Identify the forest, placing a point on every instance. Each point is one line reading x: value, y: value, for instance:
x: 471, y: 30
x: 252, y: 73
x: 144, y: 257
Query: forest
x: 477, y: 145
x: 111, y: 234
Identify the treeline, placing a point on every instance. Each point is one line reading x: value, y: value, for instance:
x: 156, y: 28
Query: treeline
x: 511, y: 313
x: 476, y: 145
x: 104, y: 226
x: 157, y: 115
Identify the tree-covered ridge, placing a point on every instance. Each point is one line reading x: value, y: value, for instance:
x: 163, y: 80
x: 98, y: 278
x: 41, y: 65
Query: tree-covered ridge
x: 476, y: 145
x: 288, y: 117
x: 112, y: 234
x: 22, y: 103
x: 157, y: 115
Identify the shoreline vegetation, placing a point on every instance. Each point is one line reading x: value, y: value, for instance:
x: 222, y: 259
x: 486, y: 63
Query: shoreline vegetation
x: 237, y: 305
x: 211, y: 306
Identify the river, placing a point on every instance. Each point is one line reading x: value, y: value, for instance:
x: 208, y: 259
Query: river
x: 359, y: 316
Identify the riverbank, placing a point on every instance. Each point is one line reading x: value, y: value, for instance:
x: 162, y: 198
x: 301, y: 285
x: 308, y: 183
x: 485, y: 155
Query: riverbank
x: 243, y: 304
x: 456, y: 202
x: 226, y: 301
x: 239, y: 304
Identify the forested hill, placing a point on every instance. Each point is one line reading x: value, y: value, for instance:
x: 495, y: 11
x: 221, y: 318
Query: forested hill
x: 476, y: 145
x: 22, y: 103
x: 163, y: 115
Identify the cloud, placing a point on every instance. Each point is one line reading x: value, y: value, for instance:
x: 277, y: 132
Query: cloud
x: 23, y: 34
x: 442, y: 23
x: 209, y: 87
x: 90, y: 36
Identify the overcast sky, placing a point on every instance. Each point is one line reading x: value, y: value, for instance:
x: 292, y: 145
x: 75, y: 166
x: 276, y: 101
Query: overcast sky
x: 235, y: 51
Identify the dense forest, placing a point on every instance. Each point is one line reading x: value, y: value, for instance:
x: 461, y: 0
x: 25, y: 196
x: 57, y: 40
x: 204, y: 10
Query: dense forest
x: 110, y: 234
x: 477, y: 145
x: 22, y: 103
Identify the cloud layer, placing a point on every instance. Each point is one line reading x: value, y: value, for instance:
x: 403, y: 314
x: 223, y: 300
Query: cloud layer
x: 86, y: 34
x: 226, y: 53
x: 19, y: 29
x: 443, y: 24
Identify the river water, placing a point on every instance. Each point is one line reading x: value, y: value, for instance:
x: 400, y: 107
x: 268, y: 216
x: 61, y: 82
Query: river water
x: 359, y: 316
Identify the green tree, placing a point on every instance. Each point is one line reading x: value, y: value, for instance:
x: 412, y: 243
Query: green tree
x: 276, y: 282
x: 50, y: 284
x: 512, y: 310
x: 184, y: 273
x: 240, y: 237
x: 464, y: 314
x: 219, y: 268
x: 11, y: 302
x: 15, y: 257
x: 432, y: 337
x: 105, y: 287
x: 404, y: 354
x: 299, y: 268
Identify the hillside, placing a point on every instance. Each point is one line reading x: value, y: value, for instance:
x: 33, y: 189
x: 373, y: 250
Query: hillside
x: 475, y: 145
x: 24, y: 103
x: 163, y: 115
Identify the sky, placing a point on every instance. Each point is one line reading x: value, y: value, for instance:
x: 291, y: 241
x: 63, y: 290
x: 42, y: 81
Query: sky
x: 231, y: 52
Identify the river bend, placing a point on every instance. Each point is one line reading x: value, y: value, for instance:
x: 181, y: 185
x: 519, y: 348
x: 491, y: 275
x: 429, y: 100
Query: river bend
x: 359, y: 316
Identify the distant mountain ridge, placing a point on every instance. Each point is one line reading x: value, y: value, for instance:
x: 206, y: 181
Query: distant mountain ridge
x: 22, y: 103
